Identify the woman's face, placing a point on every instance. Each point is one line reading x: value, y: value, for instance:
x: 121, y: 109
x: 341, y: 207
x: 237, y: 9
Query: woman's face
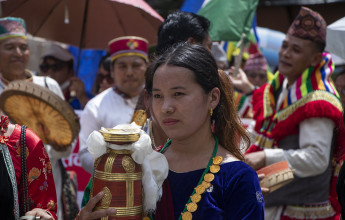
x: 180, y: 105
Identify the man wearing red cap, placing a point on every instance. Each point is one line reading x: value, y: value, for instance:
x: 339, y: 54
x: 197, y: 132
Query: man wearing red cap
x: 129, y: 57
x: 296, y: 115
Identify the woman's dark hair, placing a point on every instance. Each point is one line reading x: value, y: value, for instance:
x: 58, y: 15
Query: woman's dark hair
x: 196, y: 58
x: 105, y: 62
x: 178, y: 27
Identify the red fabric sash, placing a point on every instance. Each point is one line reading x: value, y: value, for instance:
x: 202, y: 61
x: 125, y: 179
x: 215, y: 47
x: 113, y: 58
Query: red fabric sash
x: 165, y: 207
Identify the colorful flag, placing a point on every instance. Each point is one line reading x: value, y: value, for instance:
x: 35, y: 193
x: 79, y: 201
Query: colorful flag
x: 229, y: 18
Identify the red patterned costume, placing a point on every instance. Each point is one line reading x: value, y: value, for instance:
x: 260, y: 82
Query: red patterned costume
x: 316, y: 100
x: 41, y: 188
x: 299, y: 120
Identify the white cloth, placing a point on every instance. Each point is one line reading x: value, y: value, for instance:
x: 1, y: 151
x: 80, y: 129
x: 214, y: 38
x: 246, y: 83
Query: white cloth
x: 154, y: 165
x: 54, y: 155
x: 282, y: 94
x: 107, y: 110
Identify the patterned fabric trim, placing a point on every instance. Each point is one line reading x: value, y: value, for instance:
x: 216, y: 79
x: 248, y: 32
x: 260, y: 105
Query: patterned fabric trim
x: 12, y: 175
x: 317, y: 211
x: 313, y: 96
x: 264, y: 142
x: 312, y: 79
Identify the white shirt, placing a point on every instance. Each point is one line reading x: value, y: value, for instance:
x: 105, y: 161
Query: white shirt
x: 107, y: 110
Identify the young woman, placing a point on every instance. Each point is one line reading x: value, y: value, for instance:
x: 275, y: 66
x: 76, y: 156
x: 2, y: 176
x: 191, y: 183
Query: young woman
x: 208, y: 178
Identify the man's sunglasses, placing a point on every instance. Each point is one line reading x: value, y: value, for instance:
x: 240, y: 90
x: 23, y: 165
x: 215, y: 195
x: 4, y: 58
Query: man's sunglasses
x: 44, y: 67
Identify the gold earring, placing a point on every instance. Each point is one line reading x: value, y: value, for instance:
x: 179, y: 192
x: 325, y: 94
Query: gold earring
x: 211, y: 112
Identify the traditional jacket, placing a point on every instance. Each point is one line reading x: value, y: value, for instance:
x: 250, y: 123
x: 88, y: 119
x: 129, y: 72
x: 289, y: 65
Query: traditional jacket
x: 313, y: 95
x: 41, y: 188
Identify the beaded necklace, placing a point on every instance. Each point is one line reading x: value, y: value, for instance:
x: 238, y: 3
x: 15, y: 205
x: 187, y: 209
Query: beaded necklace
x: 204, y: 183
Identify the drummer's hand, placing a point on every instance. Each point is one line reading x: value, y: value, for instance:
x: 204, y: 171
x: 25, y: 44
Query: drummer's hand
x: 86, y: 213
x: 240, y: 81
x: 77, y: 88
x: 265, y: 191
x: 256, y: 159
x: 37, y: 212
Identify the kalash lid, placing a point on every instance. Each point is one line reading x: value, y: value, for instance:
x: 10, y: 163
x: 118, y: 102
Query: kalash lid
x: 125, y: 133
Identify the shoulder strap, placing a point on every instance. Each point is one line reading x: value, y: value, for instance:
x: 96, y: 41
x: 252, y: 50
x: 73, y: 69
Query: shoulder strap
x: 45, y: 82
x: 24, y: 177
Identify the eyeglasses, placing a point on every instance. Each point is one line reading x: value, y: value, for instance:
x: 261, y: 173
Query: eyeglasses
x: 107, y: 77
x: 44, y: 67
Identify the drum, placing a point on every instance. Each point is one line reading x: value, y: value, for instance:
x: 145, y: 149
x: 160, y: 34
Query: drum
x: 41, y: 110
x: 119, y: 177
x: 276, y: 175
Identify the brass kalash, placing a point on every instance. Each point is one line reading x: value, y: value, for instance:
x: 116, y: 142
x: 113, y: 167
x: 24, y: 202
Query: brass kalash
x: 118, y: 176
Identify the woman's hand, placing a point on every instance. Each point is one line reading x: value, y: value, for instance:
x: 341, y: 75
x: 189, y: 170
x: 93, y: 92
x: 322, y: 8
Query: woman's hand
x: 86, y: 213
x: 38, y: 213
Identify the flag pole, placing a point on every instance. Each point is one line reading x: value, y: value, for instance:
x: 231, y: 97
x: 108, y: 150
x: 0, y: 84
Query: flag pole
x: 238, y: 58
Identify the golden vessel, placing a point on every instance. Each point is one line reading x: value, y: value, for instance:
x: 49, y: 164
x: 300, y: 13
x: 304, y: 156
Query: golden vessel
x: 119, y: 177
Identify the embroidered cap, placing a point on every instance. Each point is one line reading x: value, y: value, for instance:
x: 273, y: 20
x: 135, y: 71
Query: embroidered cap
x: 12, y: 27
x: 309, y: 25
x: 256, y: 62
x: 128, y: 46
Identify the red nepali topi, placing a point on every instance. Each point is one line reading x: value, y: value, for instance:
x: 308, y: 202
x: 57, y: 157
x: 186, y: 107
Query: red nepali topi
x: 128, y: 46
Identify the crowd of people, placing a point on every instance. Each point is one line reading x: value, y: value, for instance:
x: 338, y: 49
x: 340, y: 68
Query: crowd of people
x: 195, y: 101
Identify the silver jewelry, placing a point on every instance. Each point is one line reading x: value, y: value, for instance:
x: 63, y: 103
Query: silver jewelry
x: 30, y: 217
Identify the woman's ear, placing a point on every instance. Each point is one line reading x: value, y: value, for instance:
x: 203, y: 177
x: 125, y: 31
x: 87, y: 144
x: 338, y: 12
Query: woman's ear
x: 214, y: 97
x: 191, y: 40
